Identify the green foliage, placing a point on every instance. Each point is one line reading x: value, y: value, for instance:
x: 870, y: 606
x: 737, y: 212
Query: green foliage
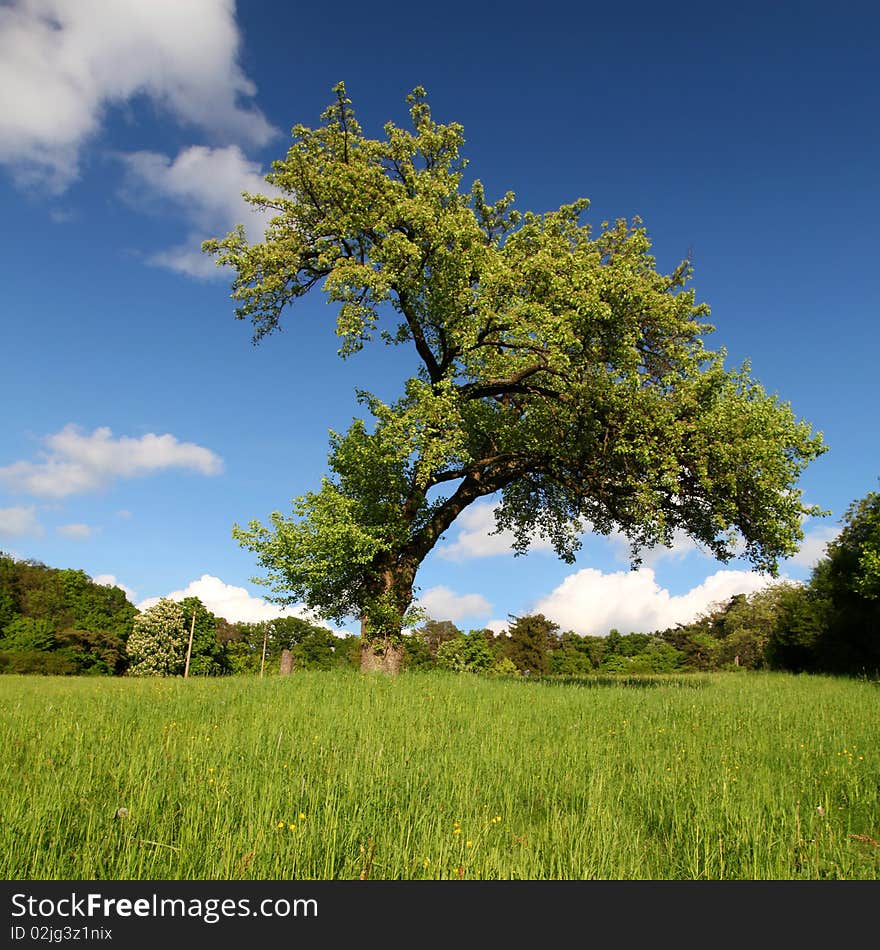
x: 417, y: 653
x: 529, y: 643
x: 855, y: 552
x: 37, y: 662
x: 576, y: 654
x: 313, y: 646
x: 7, y: 603
x: 208, y: 656
x: 799, y: 621
x: 503, y: 666
x: 554, y: 366
x: 25, y: 634
x: 468, y: 653
x: 656, y: 657
x: 316, y: 650
x: 83, y: 625
x: 436, y: 632
x: 847, y: 583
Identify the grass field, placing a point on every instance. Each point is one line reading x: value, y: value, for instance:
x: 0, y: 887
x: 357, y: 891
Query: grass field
x: 339, y: 775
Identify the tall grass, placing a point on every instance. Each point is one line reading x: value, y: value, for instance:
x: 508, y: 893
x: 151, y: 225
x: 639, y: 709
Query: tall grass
x: 341, y: 775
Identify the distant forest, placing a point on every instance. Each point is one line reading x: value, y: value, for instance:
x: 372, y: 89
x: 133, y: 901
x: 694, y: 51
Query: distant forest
x: 60, y: 622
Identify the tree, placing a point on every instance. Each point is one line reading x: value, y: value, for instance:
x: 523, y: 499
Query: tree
x: 466, y: 653
x: 27, y: 634
x: 530, y: 640
x: 61, y: 621
x: 158, y: 641
x: 208, y: 653
x: 555, y: 368
x: 316, y: 650
x: 799, y: 619
x: 436, y: 632
x: 847, y: 583
x: 574, y: 655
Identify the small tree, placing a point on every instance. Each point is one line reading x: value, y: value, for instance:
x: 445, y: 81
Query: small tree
x: 555, y: 367
x: 158, y: 641
x: 468, y: 653
x: 530, y: 640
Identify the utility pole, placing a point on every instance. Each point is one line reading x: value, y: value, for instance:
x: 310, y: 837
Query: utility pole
x: 192, y: 630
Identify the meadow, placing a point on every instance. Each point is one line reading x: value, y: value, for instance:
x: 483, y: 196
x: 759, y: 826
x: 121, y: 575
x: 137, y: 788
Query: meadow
x: 340, y: 775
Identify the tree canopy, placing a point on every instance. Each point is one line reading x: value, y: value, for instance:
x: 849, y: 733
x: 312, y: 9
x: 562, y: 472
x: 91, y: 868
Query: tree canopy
x: 847, y: 582
x: 60, y: 621
x: 554, y: 367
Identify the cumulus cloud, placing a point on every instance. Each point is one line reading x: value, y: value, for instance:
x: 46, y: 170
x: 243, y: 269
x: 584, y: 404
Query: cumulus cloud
x: 109, y: 580
x: 590, y: 602
x: 498, y: 626
x: 76, y: 462
x: 19, y: 521
x: 76, y: 531
x: 63, y: 64
x: 205, y: 185
x: 813, y: 546
x: 475, y: 538
x: 682, y: 545
x: 443, y: 604
x: 235, y: 604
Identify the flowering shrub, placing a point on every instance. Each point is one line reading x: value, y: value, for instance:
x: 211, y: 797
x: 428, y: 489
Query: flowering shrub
x: 158, y: 641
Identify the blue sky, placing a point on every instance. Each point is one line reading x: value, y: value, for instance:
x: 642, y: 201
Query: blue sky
x: 142, y: 423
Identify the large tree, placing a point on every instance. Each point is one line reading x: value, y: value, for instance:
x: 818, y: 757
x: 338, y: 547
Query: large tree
x: 845, y: 593
x: 554, y: 367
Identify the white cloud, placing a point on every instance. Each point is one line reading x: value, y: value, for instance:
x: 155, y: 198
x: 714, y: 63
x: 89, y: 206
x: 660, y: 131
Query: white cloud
x: 682, y: 545
x: 108, y: 580
x: 591, y: 602
x: 475, y: 537
x: 234, y: 604
x: 76, y: 531
x: 62, y: 64
x: 206, y: 185
x: 19, y: 522
x: 75, y: 462
x: 498, y: 626
x: 813, y: 546
x: 443, y: 604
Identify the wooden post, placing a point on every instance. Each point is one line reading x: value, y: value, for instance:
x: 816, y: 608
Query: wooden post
x: 263, y: 659
x: 192, y: 629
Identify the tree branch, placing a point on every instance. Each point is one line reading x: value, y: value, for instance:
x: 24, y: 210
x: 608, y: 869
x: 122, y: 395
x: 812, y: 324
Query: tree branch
x: 418, y: 335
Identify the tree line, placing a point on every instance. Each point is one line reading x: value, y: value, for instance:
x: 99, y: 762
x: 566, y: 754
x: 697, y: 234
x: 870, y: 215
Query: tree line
x: 59, y: 621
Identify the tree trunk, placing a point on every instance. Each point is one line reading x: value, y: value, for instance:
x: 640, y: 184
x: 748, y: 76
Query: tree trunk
x: 381, y: 656
x: 382, y: 650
